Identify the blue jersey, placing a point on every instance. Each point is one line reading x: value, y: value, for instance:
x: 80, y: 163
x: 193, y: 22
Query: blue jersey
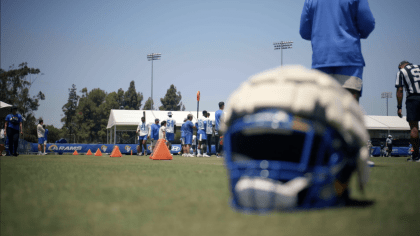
x: 183, y: 128
x: 14, y: 121
x: 201, y: 124
x: 218, y: 116
x: 155, y: 131
x: 188, y: 128
x: 335, y: 29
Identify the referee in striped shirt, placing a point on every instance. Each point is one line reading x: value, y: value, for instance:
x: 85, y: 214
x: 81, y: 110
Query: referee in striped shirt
x: 408, y: 77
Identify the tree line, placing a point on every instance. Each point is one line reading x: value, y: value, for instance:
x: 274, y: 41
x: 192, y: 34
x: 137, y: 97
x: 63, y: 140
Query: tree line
x: 86, y: 113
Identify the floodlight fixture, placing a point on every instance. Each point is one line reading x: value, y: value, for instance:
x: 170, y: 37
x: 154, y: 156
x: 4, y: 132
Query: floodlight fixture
x: 386, y: 95
x: 282, y: 45
x: 152, y: 57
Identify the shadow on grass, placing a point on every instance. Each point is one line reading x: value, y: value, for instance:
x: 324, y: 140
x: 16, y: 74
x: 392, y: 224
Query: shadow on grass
x: 376, y: 165
x: 353, y: 203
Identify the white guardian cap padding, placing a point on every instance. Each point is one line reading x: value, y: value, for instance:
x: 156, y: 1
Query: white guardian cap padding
x: 309, y: 94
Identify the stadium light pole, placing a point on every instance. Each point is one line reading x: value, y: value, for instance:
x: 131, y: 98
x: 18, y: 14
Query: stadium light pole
x: 152, y: 57
x: 282, y: 45
x: 386, y: 95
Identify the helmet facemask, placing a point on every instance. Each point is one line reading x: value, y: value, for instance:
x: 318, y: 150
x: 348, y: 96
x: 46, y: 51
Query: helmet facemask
x: 277, y: 161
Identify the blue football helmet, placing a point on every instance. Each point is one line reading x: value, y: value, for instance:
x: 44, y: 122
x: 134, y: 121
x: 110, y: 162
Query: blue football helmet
x: 286, y: 153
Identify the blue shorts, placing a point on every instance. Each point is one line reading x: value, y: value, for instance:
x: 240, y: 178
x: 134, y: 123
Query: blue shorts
x: 350, y: 77
x: 40, y: 140
x: 202, y: 136
x: 170, y: 136
x: 141, y: 138
x: 188, y: 139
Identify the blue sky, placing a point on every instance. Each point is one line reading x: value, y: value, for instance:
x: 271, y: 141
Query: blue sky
x: 210, y: 46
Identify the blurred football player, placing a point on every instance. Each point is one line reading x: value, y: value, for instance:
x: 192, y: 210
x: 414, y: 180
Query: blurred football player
x: 143, y: 131
x: 183, y: 145
x: 189, y: 129
x: 170, y: 130
x: 11, y: 130
x: 201, y: 133
x: 40, y: 131
x: 408, y: 77
x: 388, y: 144
x: 209, y: 133
x: 313, y: 135
x: 154, y: 133
x: 218, y: 121
x: 335, y: 29
x: 45, y: 139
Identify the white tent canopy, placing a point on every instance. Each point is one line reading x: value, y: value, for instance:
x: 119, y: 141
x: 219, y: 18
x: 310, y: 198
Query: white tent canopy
x: 4, y: 112
x: 123, y: 120
x: 386, y: 123
x: 128, y: 120
x: 4, y: 105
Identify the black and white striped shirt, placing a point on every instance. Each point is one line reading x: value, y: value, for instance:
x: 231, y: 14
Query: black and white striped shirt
x: 409, y: 77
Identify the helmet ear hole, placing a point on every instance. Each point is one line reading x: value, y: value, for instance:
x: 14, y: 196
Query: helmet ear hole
x: 301, y: 196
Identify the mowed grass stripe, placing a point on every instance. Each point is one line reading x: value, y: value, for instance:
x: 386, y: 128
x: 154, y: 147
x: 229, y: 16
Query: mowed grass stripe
x: 132, y: 195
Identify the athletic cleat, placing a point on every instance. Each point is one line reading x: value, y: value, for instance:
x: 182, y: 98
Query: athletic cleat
x: 199, y: 155
x: 205, y: 155
x: 371, y: 163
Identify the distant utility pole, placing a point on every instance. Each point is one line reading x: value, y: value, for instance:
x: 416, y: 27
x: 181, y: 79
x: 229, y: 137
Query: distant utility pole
x: 386, y: 95
x: 282, y: 45
x: 152, y: 57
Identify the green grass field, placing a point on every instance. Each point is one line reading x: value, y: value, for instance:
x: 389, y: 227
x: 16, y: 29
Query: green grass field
x: 132, y: 195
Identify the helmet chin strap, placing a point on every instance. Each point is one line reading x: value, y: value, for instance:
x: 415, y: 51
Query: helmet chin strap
x: 264, y: 193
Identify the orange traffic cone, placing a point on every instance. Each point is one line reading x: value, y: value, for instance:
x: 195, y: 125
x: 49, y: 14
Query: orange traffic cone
x: 154, y: 149
x: 89, y: 153
x: 75, y: 152
x: 161, y: 151
x: 116, y: 152
x: 98, y: 153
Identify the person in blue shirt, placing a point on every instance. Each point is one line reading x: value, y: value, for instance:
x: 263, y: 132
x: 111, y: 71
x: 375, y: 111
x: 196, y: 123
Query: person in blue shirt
x: 154, y: 133
x: 183, y: 146
x: 218, y: 120
x: 335, y: 28
x: 11, y: 130
x: 45, y: 140
x: 188, y: 131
